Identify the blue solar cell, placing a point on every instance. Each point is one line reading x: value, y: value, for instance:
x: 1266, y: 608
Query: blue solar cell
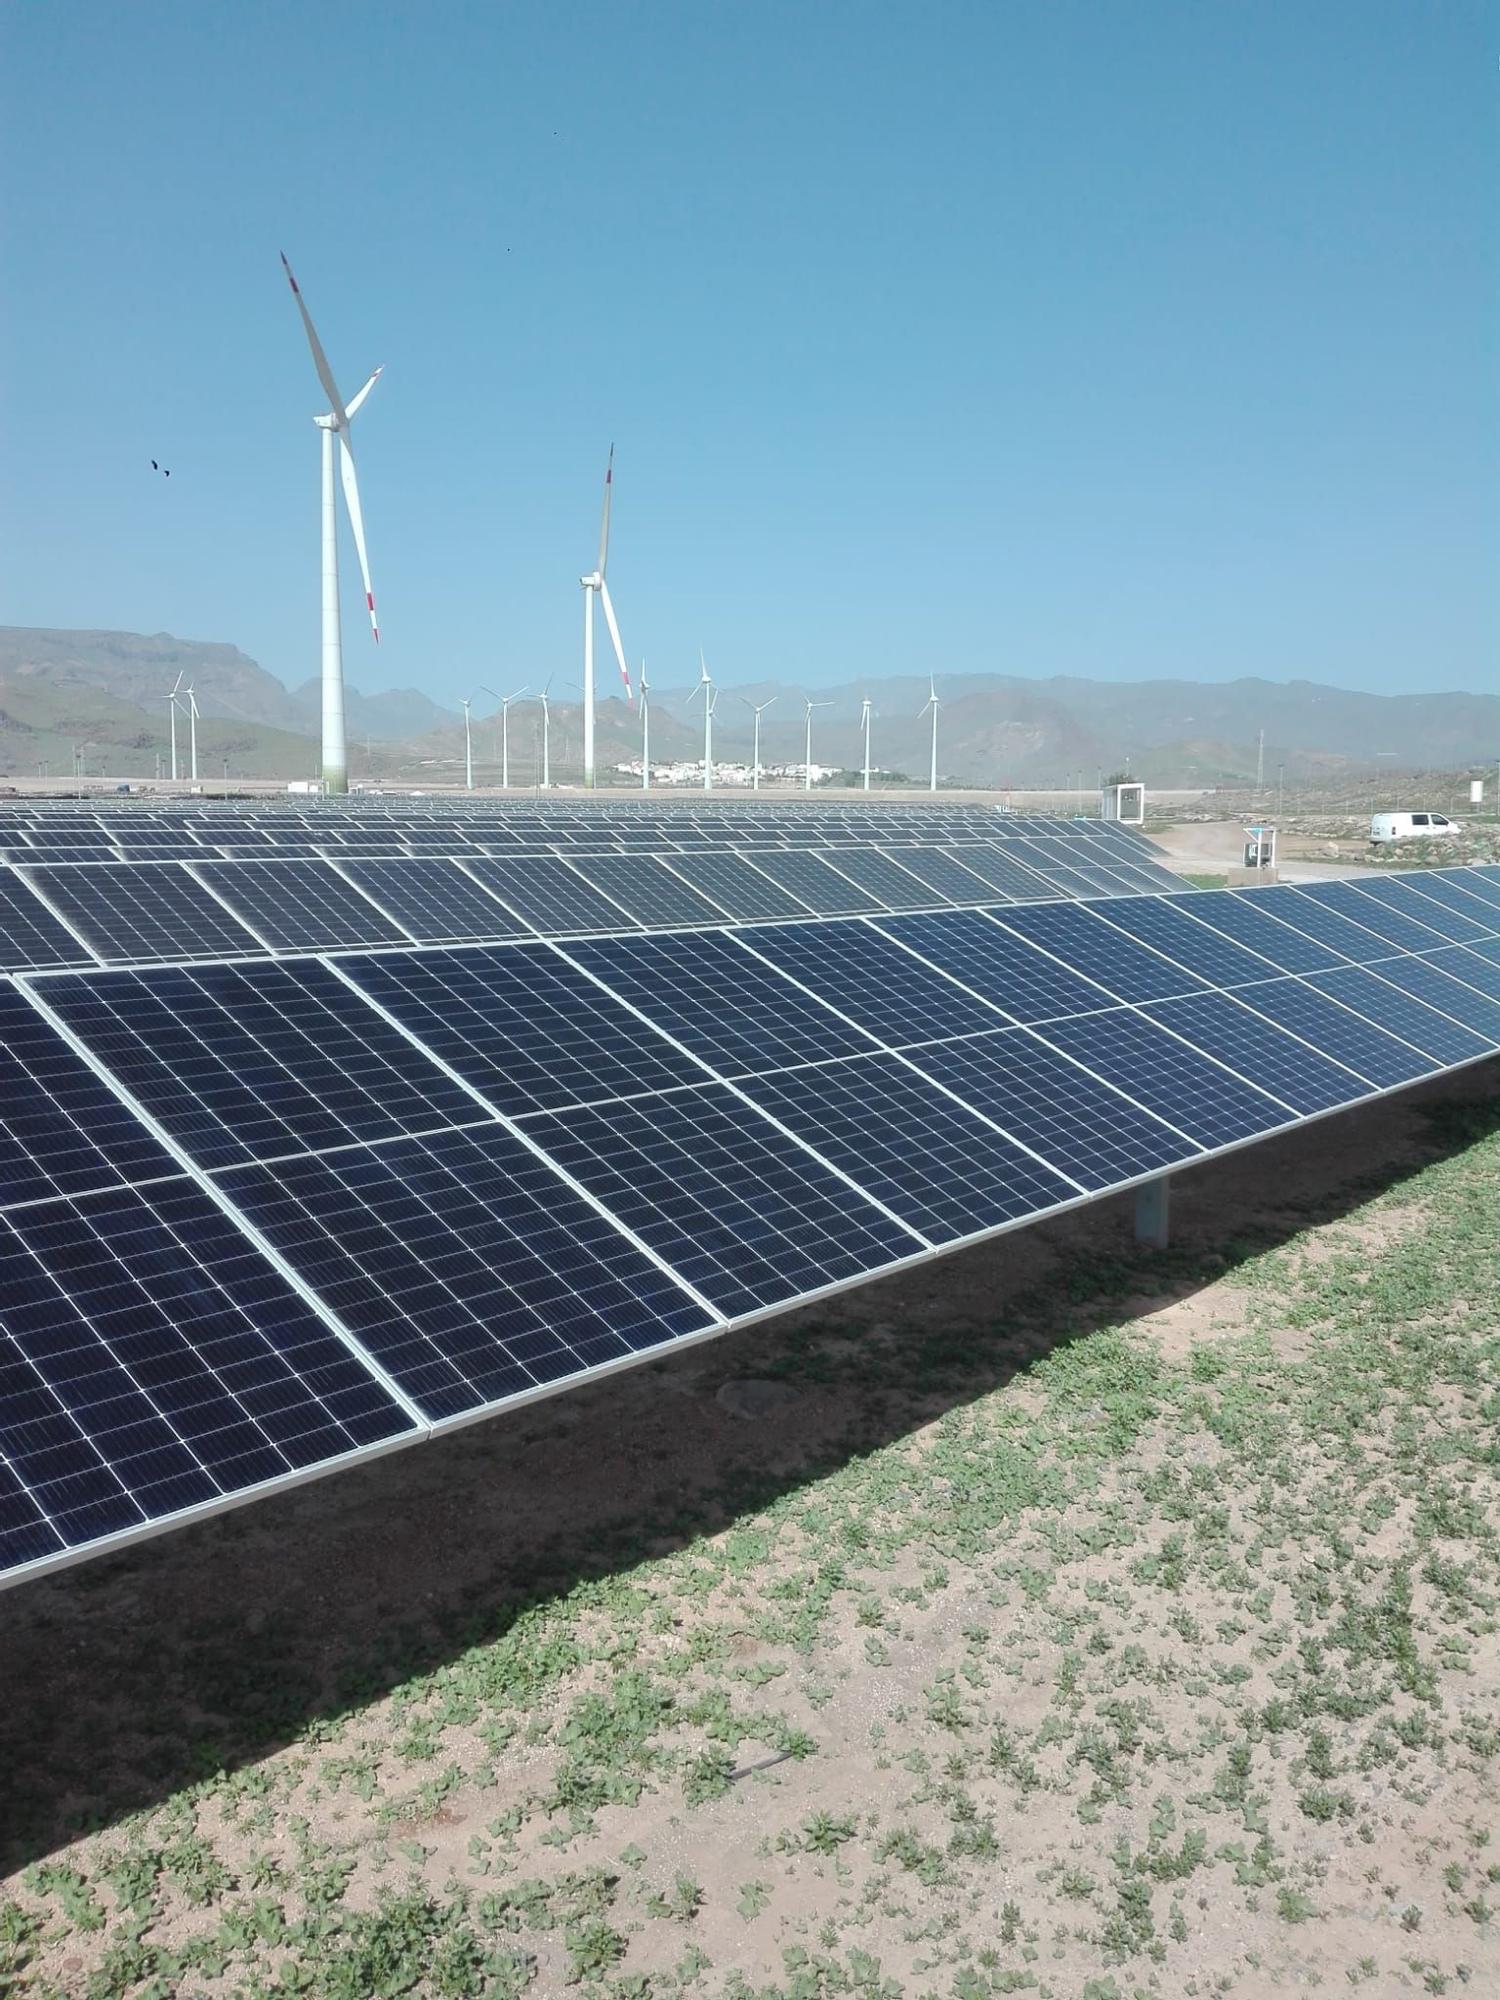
x: 870, y: 979
x: 726, y: 1006
x: 1454, y: 893
x: 1432, y: 979
x: 1422, y: 1026
x: 299, y: 905
x: 892, y: 886
x: 1013, y: 881
x: 1259, y: 1051
x: 522, y: 1025
x: 1420, y: 897
x: 1244, y: 916
x: 30, y: 936
x: 1085, y: 942
x: 1335, y: 1031
x: 1347, y: 900
x: 646, y: 888
x: 953, y: 882
x: 1154, y: 921
x: 464, y: 1265
x: 812, y: 881
x: 740, y: 1210
x: 1177, y: 1083
x: 997, y: 965
x: 550, y: 895
x: 1084, y: 1127
x: 932, y: 1162
x: 62, y: 1130
x: 1304, y: 913
x: 152, y: 1361
x: 436, y: 901
x: 152, y: 910
x: 1479, y: 884
x: 1478, y: 965
x: 250, y: 1061
x: 739, y: 889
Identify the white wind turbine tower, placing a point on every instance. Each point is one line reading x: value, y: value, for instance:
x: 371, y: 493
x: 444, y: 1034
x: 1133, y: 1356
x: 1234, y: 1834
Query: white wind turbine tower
x: 464, y: 701
x: 546, y: 735
x: 336, y: 424
x: 505, y: 701
x: 192, y: 702
x: 932, y: 703
x: 645, y: 731
x: 710, y: 696
x: 172, y: 718
x: 591, y: 585
x: 807, y: 749
x: 866, y: 710
x: 757, y: 711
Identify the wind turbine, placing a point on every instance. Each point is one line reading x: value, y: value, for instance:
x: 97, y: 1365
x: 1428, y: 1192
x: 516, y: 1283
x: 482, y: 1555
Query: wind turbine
x: 866, y: 710
x: 591, y: 585
x: 645, y: 731
x: 546, y: 736
x: 468, y: 745
x: 755, y: 761
x: 172, y: 716
x: 934, y: 704
x: 505, y: 701
x: 192, y: 702
x: 336, y: 424
x: 710, y: 696
x: 807, y: 755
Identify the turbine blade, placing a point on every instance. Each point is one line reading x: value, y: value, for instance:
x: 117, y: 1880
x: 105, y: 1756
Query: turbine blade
x: 320, y: 359
x: 614, y: 636
x: 349, y: 412
x: 609, y: 481
x: 357, y: 523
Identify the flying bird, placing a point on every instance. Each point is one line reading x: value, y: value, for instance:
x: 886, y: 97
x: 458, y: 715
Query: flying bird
x: 165, y: 471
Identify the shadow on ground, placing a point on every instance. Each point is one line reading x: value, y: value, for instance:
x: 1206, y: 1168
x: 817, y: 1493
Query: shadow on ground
x: 130, y: 1677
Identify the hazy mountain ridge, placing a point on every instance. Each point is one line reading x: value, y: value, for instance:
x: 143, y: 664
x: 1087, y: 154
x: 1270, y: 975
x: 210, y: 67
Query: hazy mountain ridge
x: 109, y: 689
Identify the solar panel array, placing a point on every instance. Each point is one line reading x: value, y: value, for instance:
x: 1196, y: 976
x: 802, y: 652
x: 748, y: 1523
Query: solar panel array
x: 267, y: 1214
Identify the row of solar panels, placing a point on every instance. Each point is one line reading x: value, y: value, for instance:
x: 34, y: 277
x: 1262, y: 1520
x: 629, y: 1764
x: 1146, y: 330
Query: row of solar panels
x: 259, y: 1220
x: 86, y: 912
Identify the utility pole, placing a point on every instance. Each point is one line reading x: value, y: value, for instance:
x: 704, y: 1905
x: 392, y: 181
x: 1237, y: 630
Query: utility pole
x: 1280, y: 789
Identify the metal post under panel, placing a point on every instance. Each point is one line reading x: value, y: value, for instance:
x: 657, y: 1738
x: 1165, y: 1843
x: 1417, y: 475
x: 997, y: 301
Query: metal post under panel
x: 1153, y: 1212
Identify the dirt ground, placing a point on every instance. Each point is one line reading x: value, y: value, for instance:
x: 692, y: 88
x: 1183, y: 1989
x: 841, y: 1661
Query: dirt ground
x: 1081, y: 1620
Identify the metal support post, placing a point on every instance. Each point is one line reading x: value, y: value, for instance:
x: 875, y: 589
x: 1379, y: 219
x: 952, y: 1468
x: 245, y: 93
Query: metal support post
x: 1153, y: 1213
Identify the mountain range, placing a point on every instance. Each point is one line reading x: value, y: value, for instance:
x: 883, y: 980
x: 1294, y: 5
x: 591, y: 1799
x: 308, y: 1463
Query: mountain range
x: 105, y: 694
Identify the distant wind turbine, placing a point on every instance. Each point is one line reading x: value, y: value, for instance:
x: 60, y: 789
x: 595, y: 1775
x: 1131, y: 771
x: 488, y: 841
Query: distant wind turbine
x: 336, y: 424
x: 933, y: 704
x: 645, y: 730
x: 505, y: 701
x: 172, y: 718
x: 591, y: 585
x: 807, y: 752
x: 710, y: 696
x: 757, y: 709
x: 866, y: 710
x: 468, y: 745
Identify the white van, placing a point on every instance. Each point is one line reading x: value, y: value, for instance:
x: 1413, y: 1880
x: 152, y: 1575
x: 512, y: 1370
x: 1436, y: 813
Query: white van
x: 1412, y: 826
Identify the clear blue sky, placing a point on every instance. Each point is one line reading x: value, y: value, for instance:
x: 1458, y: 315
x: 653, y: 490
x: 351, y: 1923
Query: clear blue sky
x: 1125, y: 340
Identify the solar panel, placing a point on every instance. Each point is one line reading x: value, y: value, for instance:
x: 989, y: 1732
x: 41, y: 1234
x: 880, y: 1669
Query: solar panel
x: 740, y: 1210
x: 1246, y: 917
x: 953, y: 882
x: 1436, y: 984
x: 1086, y: 1128
x: 299, y: 905
x: 892, y: 886
x: 933, y: 1162
x: 1436, y: 911
x: 242, y: 1062
x: 30, y: 936
x: 1478, y: 965
x: 464, y: 1265
x: 551, y: 896
x: 719, y: 1001
x: 738, y: 888
x: 871, y: 980
x: 1099, y: 951
x: 1411, y: 1019
x: 813, y: 882
x: 436, y: 902
x: 994, y: 866
x: 127, y: 911
x: 1401, y: 932
x: 1259, y: 1051
x: 1478, y: 883
x: 648, y: 890
x: 1455, y: 894
x: 153, y: 1362
x: 1188, y: 1090
x: 1352, y: 941
x: 523, y: 1026
x: 1165, y: 927
x: 62, y: 1130
x: 1347, y: 1037
x: 996, y: 964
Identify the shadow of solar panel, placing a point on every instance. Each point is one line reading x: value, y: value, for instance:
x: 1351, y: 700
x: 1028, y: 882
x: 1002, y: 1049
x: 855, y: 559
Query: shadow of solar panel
x: 733, y: 1205
x: 464, y: 1265
x: 152, y: 1361
x: 1259, y: 1051
x: 1083, y: 1126
x: 436, y: 901
x: 934, y: 1163
x: 299, y: 905
x: 242, y: 1062
x: 648, y: 889
x: 128, y: 911
x: 813, y: 881
x: 1153, y: 921
x: 740, y: 890
x: 871, y: 979
x: 551, y: 896
x: 1198, y: 1096
x: 726, y: 1006
x: 523, y: 1025
x: 1349, y: 900
x: 1241, y: 915
x: 996, y: 964
x: 1100, y: 952
x: 62, y: 1130
x: 1392, y: 1007
x: 1348, y: 1037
